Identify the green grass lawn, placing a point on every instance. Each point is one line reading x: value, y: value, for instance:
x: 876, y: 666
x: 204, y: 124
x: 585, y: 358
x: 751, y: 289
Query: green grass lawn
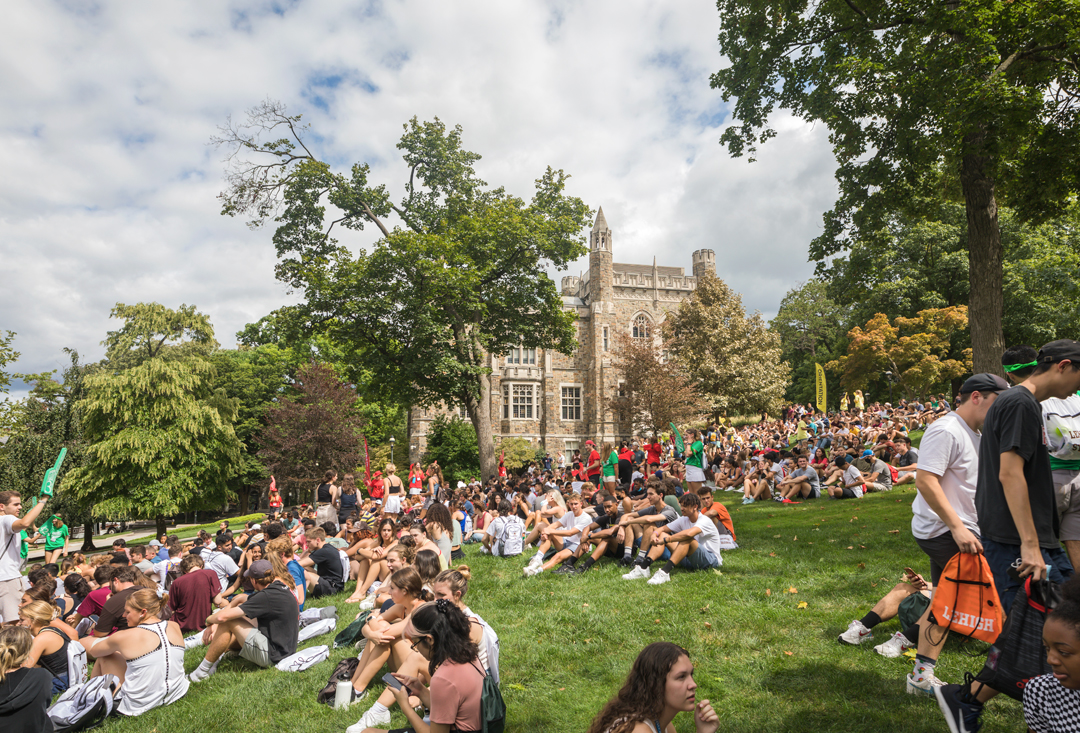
x: 567, y: 642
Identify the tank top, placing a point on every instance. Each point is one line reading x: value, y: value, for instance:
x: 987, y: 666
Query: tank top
x: 395, y: 485
x: 57, y: 662
x: 348, y: 503
x: 157, y: 677
x: 323, y: 495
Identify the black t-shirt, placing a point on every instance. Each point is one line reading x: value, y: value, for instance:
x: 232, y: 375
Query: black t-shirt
x: 1014, y: 423
x: 24, y: 696
x: 626, y: 471
x: 111, y: 617
x: 328, y: 564
x: 278, y: 615
x: 604, y: 521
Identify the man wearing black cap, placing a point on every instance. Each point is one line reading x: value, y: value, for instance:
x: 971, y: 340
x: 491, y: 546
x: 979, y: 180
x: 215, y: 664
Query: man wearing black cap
x: 1016, y: 502
x: 273, y: 607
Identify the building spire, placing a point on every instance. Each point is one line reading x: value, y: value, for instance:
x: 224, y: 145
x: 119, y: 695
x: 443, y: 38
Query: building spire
x: 601, y: 223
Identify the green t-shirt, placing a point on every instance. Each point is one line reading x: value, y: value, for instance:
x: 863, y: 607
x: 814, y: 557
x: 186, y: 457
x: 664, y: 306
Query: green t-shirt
x: 612, y: 464
x: 24, y: 544
x: 697, y: 455
x: 673, y: 501
x: 54, y: 536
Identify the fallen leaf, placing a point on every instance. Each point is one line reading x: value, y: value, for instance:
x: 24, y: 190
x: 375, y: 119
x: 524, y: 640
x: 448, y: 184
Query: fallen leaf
x: 862, y: 547
x: 795, y: 538
x: 768, y: 592
x: 772, y: 554
x: 894, y: 531
x: 584, y: 605
x: 705, y: 608
x: 850, y: 547
x: 776, y: 536
x: 862, y: 566
x: 789, y: 653
x: 561, y: 689
x: 588, y: 640
x: 656, y: 621
x: 792, y: 590
x: 708, y: 625
x: 802, y: 604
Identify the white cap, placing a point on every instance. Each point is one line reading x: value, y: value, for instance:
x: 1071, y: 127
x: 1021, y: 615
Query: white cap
x: 461, y: 484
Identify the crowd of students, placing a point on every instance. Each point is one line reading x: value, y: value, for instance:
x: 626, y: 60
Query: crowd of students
x: 644, y: 505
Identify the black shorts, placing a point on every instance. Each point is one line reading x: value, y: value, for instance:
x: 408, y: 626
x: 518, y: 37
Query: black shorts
x: 940, y: 550
x: 326, y: 588
x: 848, y: 494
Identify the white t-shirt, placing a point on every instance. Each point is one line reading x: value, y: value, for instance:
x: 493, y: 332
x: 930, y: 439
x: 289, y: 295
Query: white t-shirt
x: 9, y: 545
x: 221, y: 564
x: 1062, y: 421
x: 950, y: 451
x: 851, y: 475
x: 569, y: 521
x: 709, y: 537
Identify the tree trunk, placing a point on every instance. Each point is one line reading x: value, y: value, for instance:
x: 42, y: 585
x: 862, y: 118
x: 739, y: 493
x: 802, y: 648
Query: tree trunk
x: 986, y: 300
x: 480, y: 412
x: 88, y: 538
x: 243, y: 495
x: 161, y: 526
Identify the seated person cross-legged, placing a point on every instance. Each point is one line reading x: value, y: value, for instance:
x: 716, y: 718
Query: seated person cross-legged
x: 691, y: 542
x: 328, y: 577
x: 264, y: 628
x: 147, y: 656
x: 562, y: 536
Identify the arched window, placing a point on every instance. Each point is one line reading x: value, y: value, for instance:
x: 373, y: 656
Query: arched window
x: 642, y: 327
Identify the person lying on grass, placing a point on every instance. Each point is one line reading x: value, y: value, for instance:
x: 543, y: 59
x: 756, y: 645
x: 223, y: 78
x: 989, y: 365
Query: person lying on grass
x: 659, y: 687
x: 604, y: 533
x: 639, y: 525
x: 385, y: 632
x: 563, y: 537
x: 691, y: 542
x: 451, y: 585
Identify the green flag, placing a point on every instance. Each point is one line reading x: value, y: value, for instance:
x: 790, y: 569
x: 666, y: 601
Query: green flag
x: 50, y: 476
x: 679, y: 445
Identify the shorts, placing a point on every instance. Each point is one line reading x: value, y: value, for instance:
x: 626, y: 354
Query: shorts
x: 1067, y: 490
x: 700, y: 559
x: 325, y: 588
x: 940, y: 550
x: 1000, y: 557
x: 10, y: 594
x: 695, y: 474
x: 326, y: 513
x: 848, y: 494
x: 393, y: 504
x: 256, y: 649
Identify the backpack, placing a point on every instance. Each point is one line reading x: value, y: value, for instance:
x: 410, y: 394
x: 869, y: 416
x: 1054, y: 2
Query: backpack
x: 510, y: 539
x: 76, y: 655
x: 492, y: 707
x: 352, y: 633
x: 342, y: 674
x: 84, y: 706
x: 1018, y: 656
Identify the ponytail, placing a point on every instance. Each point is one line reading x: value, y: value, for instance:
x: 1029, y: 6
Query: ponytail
x: 15, y: 642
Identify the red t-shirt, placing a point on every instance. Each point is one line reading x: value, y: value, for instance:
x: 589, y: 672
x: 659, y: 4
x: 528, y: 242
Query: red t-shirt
x: 93, y: 603
x: 594, y: 457
x: 191, y: 598
x: 654, y: 450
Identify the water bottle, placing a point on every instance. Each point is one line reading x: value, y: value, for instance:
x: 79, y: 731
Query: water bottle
x: 343, y: 694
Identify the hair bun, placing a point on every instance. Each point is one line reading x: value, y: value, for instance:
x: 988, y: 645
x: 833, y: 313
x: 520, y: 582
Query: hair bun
x: 442, y: 605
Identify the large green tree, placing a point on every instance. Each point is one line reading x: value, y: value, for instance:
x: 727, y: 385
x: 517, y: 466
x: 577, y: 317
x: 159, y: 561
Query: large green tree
x: 8, y: 354
x: 920, y: 98
x: 733, y: 358
x: 811, y: 327
x: 160, y: 435
x: 457, y: 275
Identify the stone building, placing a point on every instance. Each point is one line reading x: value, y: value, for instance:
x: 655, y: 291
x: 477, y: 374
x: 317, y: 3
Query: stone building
x: 559, y: 400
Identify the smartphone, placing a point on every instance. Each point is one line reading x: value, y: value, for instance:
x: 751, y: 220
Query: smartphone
x: 392, y: 681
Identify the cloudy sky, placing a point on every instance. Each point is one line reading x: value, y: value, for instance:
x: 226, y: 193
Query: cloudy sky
x: 110, y: 184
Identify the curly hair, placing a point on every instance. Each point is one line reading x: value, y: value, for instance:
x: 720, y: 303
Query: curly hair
x: 440, y: 515
x: 642, y: 695
x: 1068, y: 610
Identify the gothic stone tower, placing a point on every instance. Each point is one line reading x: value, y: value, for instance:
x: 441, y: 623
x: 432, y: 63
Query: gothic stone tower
x: 602, y: 303
x: 704, y: 262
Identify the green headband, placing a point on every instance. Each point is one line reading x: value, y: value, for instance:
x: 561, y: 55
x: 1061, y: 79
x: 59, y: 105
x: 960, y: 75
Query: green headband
x: 1017, y: 367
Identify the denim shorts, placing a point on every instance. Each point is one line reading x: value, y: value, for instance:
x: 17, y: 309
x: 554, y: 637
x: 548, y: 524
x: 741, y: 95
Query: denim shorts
x: 1000, y: 557
x: 699, y: 559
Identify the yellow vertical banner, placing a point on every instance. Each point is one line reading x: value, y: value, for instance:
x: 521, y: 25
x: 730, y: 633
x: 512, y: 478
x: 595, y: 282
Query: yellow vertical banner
x: 820, y: 387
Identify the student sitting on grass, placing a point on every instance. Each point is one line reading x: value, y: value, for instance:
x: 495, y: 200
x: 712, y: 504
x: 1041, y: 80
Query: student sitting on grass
x: 191, y: 596
x: 270, y: 639
x: 328, y: 577
x: 50, y: 649
x: 849, y: 484
x: 659, y: 687
x: 385, y: 632
x: 691, y: 542
x: 802, y: 483
x: 368, y: 559
x: 639, y: 525
x: 860, y: 630
x: 147, y: 656
x: 25, y: 692
x: 507, y: 533
x: 563, y: 536
x: 397, y: 557
x: 604, y: 532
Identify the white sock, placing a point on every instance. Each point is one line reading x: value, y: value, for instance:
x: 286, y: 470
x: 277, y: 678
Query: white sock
x: 628, y: 551
x: 379, y: 709
x: 641, y: 555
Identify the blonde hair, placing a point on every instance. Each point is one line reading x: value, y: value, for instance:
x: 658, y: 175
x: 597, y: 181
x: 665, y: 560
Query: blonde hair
x: 15, y: 643
x: 280, y: 571
x: 39, y: 612
x: 390, y: 468
x: 407, y: 552
x: 145, y: 599
x: 282, y: 546
x: 457, y: 578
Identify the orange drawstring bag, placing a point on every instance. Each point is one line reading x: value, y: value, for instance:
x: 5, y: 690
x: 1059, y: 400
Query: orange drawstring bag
x: 966, y: 601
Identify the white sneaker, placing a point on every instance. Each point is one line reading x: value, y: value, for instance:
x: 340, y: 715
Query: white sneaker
x: 367, y: 604
x: 637, y: 572
x: 530, y: 570
x: 895, y: 646
x: 925, y: 686
x: 659, y: 578
x: 537, y: 559
x: 370, y: 720
x: 193, y: 641
x: 856, y: 634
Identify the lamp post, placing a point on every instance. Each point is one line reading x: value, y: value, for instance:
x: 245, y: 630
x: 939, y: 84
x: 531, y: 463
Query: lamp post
x: 890, y: 377
x: 392, y: 441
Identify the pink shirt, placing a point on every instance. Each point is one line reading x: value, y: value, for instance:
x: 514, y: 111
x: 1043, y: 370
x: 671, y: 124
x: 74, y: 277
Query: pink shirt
x: 455, y: 695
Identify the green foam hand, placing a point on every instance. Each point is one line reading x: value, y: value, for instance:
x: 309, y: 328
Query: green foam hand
x: 50, y: 476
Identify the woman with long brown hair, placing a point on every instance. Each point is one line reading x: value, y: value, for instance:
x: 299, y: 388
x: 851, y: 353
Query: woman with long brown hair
x: 368, y: 559
x: 660, y: 686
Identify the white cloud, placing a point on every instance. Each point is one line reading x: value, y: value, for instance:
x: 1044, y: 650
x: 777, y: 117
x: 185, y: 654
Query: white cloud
x: 110, y: 190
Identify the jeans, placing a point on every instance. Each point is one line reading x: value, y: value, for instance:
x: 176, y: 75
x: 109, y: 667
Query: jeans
x: 1000, y: 558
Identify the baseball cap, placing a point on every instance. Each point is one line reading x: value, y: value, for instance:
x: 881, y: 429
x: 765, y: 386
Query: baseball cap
x: 1060, y: 350
x: 589, y: 442
x: 984, y: 383
x: 256, y: 526
x: 867, y: 452
x: 154, y: 543
x: 259, y: 570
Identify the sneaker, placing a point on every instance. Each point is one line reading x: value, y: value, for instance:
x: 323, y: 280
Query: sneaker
x: 563, y: 570
x: 374, y: 587
x: 960, y: 709
x: 660, y: 578
x: 367, y: 604
x: 579, y: 569
x: 357, y: 697
x: 636, y: 573
x: 370, y: 720
x: 747, y: 500
x: 925, y: 686
x: 627, y: 561
x: 778, y: 498
x: 530, y: 570
x: 193, y: 641
x: 785, y: 500
x: 895, y: 646
x: 537, y: 559
x: 856, y: 634
x: 328, y: 612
